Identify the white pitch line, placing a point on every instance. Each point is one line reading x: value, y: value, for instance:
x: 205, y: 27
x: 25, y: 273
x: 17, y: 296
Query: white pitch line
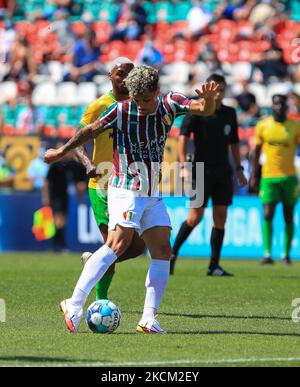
x: 170, y: 362
x: 200, y: 361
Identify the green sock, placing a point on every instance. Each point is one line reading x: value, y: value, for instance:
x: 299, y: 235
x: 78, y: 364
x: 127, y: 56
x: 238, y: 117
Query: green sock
x: 103, y: 286
x: 267, y: 237
x: 288, y: 238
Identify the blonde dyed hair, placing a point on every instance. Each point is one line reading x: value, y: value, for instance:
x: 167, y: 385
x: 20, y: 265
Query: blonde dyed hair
x: 142, y: 79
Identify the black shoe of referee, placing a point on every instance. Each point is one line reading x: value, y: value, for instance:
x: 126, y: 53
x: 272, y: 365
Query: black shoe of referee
x: 267, y: 261
x: 172, y: 263
x: 217, y: 271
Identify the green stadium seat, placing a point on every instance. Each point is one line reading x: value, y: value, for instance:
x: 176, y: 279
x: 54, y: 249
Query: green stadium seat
x: 295, y: 10
x: 163, y: 11
x: 181, y: 11
x: 108, y: 12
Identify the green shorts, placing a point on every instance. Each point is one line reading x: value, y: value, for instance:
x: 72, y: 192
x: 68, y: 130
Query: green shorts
x: 98, y: 198
x: 279, y: 189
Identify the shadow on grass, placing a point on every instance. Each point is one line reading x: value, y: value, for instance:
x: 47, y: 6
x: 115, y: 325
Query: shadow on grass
x: 227, y: 316
x: 277, y: 334
x: 37, y: 359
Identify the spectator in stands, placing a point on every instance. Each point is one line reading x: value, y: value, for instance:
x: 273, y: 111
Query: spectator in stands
x: 198, y: 18
x: 37, y: 171
x: 84, y: 59
x: 149, y: 55
x: 293, y: 105
x: 209, y: 58
x: 7, y: 8
x: 191, y: 84
x: 25, y: 120
x: 131, y: 21
x: 245, y: 99
x: 250, y: 112
x: 272, y: 66
x: 263, y: 11
x: 8, y: 36
x: 234, y: 10
x: 20, y: 61
x: 6, y: 173
x: 65, y: 36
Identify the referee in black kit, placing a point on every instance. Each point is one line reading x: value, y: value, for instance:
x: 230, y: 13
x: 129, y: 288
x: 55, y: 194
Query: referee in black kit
x: 213, y: 136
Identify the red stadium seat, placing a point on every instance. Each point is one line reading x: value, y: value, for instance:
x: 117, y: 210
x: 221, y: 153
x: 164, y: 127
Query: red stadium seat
x: 244, y: 51
x: 23, y: 26
x: 50, y: 131
x: 291, y: 55
x: 226, y: 29
x: 9, y: 130
x: 180, y: 51
x: 65, y: 131
x: 112, y: 50
x: 78, y: 28
x: 180, y: 27
x: 103, y: 30
x: 244, y: 27
x: 133, y: 47
x: 246, y: 134
x: 163, y: 31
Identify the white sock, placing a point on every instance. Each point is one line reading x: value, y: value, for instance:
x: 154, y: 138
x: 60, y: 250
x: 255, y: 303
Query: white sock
x: 92, y: 272
x: 156, y: 283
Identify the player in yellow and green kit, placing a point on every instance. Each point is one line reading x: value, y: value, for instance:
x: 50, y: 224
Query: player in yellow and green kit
x: 103, y: 153
x: 277, y: 137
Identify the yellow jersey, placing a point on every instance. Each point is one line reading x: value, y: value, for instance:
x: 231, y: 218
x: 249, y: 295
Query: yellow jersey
x: 279, y: 141
x: 103, y: 144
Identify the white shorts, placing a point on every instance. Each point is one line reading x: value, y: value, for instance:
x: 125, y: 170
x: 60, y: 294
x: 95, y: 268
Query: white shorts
x: 130, y: 209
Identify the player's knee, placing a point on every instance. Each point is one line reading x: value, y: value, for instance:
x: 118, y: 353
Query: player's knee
x: 118, y: 245
x: 220, y: 223
x: 193, y: 221
x: 138, y: 250
x: 164, y: 251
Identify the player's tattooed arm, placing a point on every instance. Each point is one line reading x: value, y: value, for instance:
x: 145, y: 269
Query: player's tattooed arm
x: 81, y: 137
x: 82, y: 156
x: 206, y: 105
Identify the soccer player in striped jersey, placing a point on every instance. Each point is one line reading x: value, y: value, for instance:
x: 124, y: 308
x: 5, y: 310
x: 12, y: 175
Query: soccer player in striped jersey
x: 103, y: 152
x: 141, y: 126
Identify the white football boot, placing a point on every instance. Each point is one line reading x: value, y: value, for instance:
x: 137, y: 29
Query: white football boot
x: 150, y: 326
x: 72, y: 317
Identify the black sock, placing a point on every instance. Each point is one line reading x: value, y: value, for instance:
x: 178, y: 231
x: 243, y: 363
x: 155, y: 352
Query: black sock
x: 59, y: 239
x: 216, y: 242
x: 182, y: 235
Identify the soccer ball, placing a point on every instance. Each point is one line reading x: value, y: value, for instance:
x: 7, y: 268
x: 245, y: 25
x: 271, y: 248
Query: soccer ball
x: 103, y: 316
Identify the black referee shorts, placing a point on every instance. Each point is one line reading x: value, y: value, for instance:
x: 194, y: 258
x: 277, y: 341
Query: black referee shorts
x: 59, y: 204
x: 218, y: 185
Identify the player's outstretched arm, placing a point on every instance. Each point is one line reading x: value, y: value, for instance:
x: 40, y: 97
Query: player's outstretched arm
x: 206, y: 106
x: 83, y: 157
x: 84, y: 135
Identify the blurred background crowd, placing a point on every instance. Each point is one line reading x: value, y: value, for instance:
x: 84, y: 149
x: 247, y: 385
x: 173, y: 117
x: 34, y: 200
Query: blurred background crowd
x: 54, y: 56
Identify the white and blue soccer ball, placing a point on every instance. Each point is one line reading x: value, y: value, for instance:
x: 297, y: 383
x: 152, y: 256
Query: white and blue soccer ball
x: 103, y: 316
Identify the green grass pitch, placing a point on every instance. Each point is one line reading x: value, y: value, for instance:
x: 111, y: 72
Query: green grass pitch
x: 240, y: 321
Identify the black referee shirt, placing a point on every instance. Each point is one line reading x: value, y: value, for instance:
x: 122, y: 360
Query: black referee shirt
x: 212, y: 137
